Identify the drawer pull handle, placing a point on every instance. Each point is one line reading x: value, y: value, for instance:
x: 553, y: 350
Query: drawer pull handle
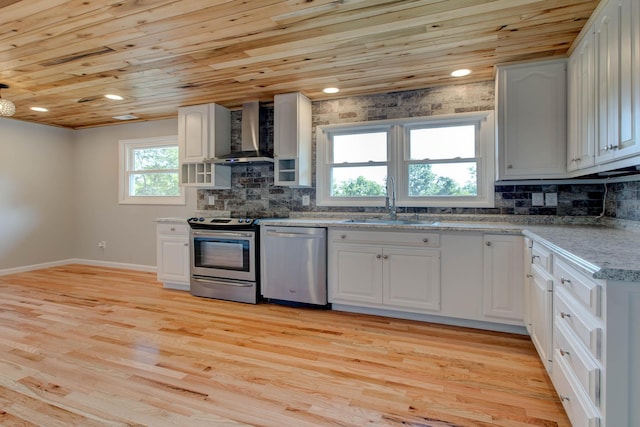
x: 186, y: 244
x: 529, y: 276
x: 564, y: 281
x: 563, y: 314
x: 565, y: 398
x: 173, y: 229
x: 343, y: 236
x: 425, y: 240
x: 564, y: 352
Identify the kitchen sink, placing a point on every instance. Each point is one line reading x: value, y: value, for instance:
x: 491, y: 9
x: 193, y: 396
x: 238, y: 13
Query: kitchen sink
x: 389, y: 221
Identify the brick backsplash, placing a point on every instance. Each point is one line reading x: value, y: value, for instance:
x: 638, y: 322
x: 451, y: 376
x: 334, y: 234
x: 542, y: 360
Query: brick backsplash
x: 253, y: 193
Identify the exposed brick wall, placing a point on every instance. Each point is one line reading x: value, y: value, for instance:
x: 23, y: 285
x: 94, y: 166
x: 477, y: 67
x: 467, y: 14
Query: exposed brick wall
x: 253, y: 193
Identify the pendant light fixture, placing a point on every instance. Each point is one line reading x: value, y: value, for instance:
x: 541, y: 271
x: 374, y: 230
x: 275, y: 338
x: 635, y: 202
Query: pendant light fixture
x: 7, y: 108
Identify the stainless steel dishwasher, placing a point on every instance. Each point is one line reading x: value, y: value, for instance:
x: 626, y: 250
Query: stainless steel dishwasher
x: 294, y: 264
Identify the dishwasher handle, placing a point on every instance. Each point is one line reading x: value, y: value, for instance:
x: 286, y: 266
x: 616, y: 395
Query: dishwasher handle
x: 271, y: 233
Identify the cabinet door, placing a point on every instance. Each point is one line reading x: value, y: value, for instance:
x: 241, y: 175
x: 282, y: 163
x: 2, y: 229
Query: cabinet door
x: 541, y: 299
x: 193, y: 133
x: 606, y: 44
x: 629, y: 84
x: 355, y: 274
x: 173, y: 260
x: 503, y: 277
x: 412, y: 278
x: 581, y: 106
x: 285, y: 125
x: 532, y: 139
x: 292, y: 139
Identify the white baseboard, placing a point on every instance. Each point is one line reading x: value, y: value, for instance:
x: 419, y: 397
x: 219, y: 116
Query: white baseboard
x: 22, y: 269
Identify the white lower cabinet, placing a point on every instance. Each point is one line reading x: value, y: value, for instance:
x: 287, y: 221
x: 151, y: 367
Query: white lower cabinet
x: 467, y: 276
x: 541, y: 300
x: 374, y: 269
x: 503, y: 281
x: 172, y: 255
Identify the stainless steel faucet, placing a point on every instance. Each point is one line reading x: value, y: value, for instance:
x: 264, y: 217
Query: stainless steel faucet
x: 390, y: 202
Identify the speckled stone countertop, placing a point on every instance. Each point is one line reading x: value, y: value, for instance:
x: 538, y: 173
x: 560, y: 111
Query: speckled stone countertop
x: 596, y: 246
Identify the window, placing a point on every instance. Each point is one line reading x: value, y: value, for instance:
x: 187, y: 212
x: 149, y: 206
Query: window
x: 440, y: 161
x: 149, y: 172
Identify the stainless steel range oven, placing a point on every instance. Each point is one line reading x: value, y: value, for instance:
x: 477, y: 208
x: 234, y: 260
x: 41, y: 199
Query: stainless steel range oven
x: 224, y: 262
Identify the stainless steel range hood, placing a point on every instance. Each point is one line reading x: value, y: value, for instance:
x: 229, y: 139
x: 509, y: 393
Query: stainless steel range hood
x: 252, y: 136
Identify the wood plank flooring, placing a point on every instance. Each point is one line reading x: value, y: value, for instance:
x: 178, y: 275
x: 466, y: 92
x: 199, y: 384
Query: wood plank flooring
x: 92, y: 346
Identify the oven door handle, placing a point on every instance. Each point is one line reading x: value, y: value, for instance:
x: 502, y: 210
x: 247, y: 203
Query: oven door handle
x: 221, y: 282
x: 220, y: 233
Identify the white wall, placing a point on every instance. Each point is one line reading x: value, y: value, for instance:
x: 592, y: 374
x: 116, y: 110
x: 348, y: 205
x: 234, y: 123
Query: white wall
x: 36, y: 195
x: 58, y: 196
x: 129, y: 230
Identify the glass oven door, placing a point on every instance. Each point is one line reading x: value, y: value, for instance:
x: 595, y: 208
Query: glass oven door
x: 223, y: 254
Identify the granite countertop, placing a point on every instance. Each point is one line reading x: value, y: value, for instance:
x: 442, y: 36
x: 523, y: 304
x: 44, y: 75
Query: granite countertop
x: 602, y: 251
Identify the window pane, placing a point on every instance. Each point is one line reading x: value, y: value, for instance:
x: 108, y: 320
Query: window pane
x: 155, y: 158
x: 450, y: 179
x: 154, y: 184
x: 360, y: 147
x: 443, y: 143
x: 358, y: 181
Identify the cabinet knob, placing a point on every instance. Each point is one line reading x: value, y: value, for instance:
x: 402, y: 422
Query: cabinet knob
x: 563, y: 352
x: 378, y: 256
x: 488, y: 243
x: 385, y: 257
x: 173, y: 229
x: 565, y: 281
x: 529, y: 276
x: 564, y: 315
x: 565, y: 398
x: 186, y: 244
x: 343, y: 236
x: 425, y: 240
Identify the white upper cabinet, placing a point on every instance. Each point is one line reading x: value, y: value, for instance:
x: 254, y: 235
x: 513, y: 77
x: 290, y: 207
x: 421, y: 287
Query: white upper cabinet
x: 292, y: 140
x: 532, y: 132
x: 604, y: 91
x: 581, y: 141
x: 204, y: 132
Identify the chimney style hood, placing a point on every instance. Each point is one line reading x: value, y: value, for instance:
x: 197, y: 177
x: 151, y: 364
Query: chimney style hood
x: 252, y: 136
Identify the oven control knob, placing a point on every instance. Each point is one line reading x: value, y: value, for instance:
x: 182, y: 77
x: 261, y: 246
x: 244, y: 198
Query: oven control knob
x: 201, y: 219
x: 240, y: 220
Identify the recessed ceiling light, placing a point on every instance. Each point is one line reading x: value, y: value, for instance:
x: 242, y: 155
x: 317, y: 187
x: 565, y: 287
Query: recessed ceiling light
x: 114, y: 97
x: 126, y: 117
x: 331, y: 90
x: 39, y: 109
x: 461, y: 72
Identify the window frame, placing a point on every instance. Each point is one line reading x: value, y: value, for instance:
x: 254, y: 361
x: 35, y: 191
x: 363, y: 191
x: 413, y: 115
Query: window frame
x: 323, y: 179
x: 125, y: 163
x: 398, y: 161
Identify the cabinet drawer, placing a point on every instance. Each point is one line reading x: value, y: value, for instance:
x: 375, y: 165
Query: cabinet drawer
x: 581, y: 412
x: 173, y: 229
x: 541, y: 256
x: 585, y: 369
x: 403, y: 238
x: 584, y: 289
x: 585, y: 327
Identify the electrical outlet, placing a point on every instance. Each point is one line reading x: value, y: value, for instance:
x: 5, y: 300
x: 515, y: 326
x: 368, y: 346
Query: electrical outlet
x: 551, y: 199
x: 537, y: 199
x: 306, y: 200
x: 212, y: 200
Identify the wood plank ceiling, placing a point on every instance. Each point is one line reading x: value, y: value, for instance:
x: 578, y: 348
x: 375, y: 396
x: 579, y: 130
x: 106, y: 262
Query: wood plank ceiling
x: 65, y: 55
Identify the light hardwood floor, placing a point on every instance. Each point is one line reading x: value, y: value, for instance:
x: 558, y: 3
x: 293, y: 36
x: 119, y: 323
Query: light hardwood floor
x: 89, y: 346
